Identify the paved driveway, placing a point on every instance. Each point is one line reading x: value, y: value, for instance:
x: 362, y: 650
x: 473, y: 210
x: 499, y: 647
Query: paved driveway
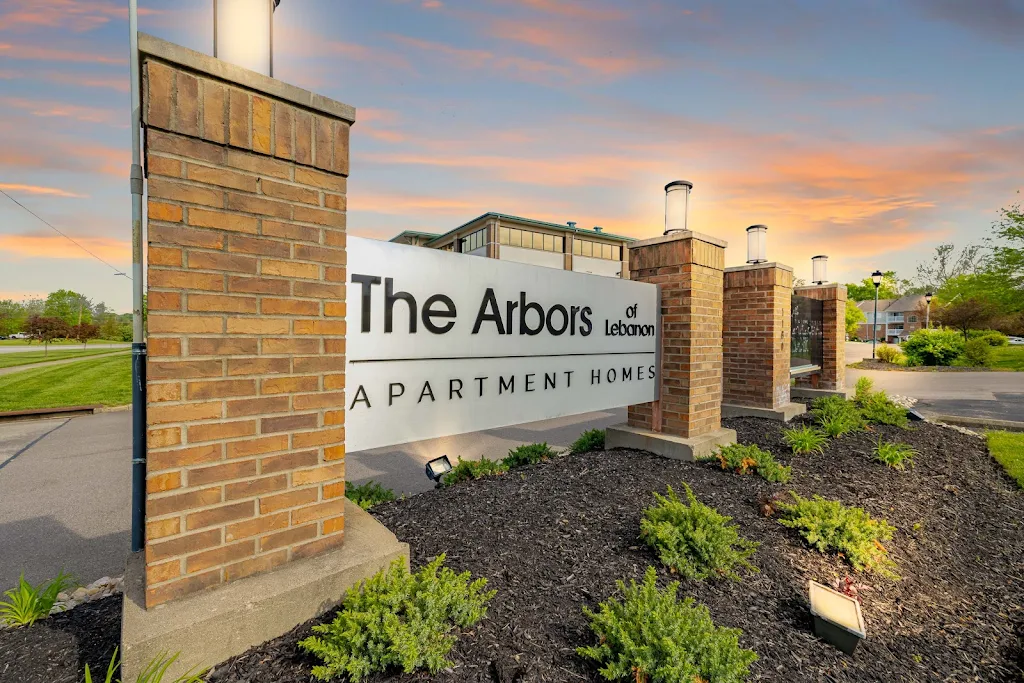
x: 65, y: 485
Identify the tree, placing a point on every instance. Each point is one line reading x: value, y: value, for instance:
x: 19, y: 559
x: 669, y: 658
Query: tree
x: 110, y: 326
x: 12, y: 317
x: 967, y: 314
x: 84, y: 332
x: 71, y: 307
x: 891, y: 288
x: 1007, y: 259
x: 854, y: 317
x: 46, y: 329
x: 946, y: 264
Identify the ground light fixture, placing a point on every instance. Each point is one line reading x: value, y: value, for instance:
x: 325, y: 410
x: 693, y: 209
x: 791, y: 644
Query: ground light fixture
x: 837, y: 617
x: 757, y: 244
x: 677, y: 205
x: 438, y: 467
x: 243, y: 33
x: 876, y: 280
x: 819, y: 269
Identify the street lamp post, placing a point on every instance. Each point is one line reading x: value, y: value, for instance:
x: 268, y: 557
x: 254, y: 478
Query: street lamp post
x: 928, y: 311
x: 876, y: 280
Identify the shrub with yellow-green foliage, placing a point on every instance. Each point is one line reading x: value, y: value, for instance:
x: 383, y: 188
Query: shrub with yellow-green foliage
x: 694, y: 539
x: 746, y: 459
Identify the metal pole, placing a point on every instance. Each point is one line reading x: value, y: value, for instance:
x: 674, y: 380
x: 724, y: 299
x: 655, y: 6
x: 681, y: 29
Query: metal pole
x: 138, y: 332
x: 874, y: 326
x: 928, y: 316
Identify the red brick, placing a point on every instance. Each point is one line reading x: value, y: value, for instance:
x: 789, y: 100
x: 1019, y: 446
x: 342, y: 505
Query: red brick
x: 221, y: 430
x: 256, y: 565
x: 288, y: 385
x: 162, y: 528
x: 186, y: 412
x: 258, y: 205
x: 257, y: 406
x: 184, y: 457
x: 239, y: 111
x: 291, y: 231
x: 291, y: 499
x: 256, y: 487
x: 324, y: 181
x: 222, y: 346
x: 222, y: 220
x: 157, y: 393
x: 218, y: 473
x: 184, y: 369
x: 207, y: 282
x: 160, y: 483
x: 258, y: 325
x: 288, y: 423
x: 185, y: 237
x: 261, y: 112
x: 219, y: 516
x: 258, y: 285
x: 215, y: 99
x: 289, y: 344
x: 218, y: 556
x: 179, y: 502
x: 289, y: 461
x: 164, y: 301
x: 202, y: 260
x: 259, y: 366
x: 182, y: 545
x: 293, y: 193
x: 162, y: 188
x: 202, y: 303
x: 164, y: 256
x: 283, y: 130
x: 318, y: 475
x: 283, y: 539
x: 221, y: 389
x: 320, y: 254
x: 266, y: 444
x: 259, y: 246
x: 176, y: 589
x: 159, y: 211
x: 256, y: 526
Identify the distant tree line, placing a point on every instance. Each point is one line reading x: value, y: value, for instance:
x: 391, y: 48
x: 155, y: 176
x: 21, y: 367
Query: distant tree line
x: 64, y: 314
x: 977, y: 287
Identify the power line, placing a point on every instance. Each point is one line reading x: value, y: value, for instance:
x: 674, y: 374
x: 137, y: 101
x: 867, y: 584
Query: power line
x: 48, y: 224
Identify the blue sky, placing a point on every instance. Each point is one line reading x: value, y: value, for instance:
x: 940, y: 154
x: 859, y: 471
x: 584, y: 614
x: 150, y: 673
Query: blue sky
x: 869, y: 131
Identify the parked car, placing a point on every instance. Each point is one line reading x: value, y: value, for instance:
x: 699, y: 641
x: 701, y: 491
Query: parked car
x: 1017, y: 341
x: 19, y: 335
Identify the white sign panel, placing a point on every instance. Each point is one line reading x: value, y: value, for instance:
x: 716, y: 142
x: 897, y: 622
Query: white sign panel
x: 441, y: 343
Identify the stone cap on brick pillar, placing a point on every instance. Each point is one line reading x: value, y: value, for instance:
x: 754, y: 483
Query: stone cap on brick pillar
x: 825, y: 292
x: 759, y: 274
x: 236, y: 75
x: 677, y: 248
x: 757, y: 266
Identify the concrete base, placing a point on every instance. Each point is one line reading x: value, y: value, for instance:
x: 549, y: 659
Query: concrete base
x: 811, y: 394
x: 783, y: 414
x: 667, y: 445
x: 207, y: 628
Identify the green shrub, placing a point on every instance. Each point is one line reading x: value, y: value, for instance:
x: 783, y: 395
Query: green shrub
x: 863, y: 389
x: 895, y: 455
x: 977, y: 354
x: 465, y: 470
x: 590, y: 440
x: 695, y: 540
x: 528, y: 454
x: 933, y: 347
x: 369, y: 494
x: 991, y: 337
x: 27, y: 604
x: 805, y: 440
x: 745, y: 459
x: 836, y: 416
x: 890, y: 354
x: 396, y: 619
x: 878, y: 409
x: 829, y: 526
x: 651, y: 637
x: 153, y: 673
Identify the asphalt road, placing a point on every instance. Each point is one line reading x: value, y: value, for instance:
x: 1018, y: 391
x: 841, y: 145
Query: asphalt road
x: 65, y: 485
x: 39, y: 347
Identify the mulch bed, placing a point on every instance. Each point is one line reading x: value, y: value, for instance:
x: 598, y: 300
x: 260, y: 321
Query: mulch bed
x: 556, y: 536
x: 869, y: 364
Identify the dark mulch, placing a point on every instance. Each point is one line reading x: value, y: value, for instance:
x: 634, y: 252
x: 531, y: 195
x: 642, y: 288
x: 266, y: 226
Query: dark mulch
x: 57, y: 649
x: 554, y: 537
x: 869, y: 364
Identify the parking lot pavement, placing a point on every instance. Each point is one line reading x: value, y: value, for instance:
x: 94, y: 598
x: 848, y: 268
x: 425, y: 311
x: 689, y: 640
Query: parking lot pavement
x: 65, y: 485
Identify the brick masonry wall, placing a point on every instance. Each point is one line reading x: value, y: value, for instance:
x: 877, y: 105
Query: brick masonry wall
x: 689, y: 271
x: 246, y: 277
x: 756, y: 336
x: 833, y: 370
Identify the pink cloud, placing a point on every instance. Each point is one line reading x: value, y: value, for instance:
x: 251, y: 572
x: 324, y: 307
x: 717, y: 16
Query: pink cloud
x: 57, y: 247
x: 75, y: 15
x: 38, y: 190
x: 65, y: 110
x: 33, y: 52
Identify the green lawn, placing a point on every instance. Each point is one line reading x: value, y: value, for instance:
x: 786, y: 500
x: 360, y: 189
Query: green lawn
x: 1008, y: 357
x: 10, y: 360
x: 106, y: 381
x: 1008, y: 449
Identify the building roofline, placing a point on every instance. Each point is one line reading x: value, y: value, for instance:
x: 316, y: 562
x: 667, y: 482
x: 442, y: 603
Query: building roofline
x: 531, y: 221
x: 413, y: 233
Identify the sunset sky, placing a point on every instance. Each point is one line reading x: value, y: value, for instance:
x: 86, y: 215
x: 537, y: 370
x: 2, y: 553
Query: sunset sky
x: 868, y: 131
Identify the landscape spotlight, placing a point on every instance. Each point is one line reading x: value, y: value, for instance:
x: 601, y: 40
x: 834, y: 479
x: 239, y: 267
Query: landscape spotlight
x: 243, y: 33
x: 757, y: 244
x: 438, y: 467
x: 677, y: 205
x: 819, y: 268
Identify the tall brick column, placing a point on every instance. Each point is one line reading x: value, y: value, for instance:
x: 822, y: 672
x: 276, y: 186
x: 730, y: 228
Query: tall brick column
x: 686, y: 421
x: 832, y: 378
x: 757, y: 340
x: 246, y: 182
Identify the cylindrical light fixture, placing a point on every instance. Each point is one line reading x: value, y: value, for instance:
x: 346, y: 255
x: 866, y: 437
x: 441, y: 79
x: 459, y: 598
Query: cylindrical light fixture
x: 677, y: 205
x: 757, y: 244
x: 928, y: 298
x: 876, y: 278
x: 243, y: 33
x: 819, y: 269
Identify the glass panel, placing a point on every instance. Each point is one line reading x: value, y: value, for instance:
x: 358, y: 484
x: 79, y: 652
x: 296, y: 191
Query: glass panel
x: 504, y: 235
x: 588, y: 248
x: 577, y: 247
x: 515, y: 238
x: 560, y: 244
x: 808, y: 336
x: 606, y: 251
x: 549, y: 242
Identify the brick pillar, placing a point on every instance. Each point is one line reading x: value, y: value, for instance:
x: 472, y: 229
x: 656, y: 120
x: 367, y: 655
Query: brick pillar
x: 687, y: 420
x: 833, y: 371
x: 246, y: 273
x: 757, y: 340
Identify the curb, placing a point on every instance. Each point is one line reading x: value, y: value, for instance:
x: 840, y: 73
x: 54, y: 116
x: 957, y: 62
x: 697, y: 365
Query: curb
x: 979, y: 422
x: 48, y: 413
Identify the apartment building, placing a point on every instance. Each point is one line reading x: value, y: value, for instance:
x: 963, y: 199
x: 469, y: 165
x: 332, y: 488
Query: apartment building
x: 897, y: 318
x: 538, y: 243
